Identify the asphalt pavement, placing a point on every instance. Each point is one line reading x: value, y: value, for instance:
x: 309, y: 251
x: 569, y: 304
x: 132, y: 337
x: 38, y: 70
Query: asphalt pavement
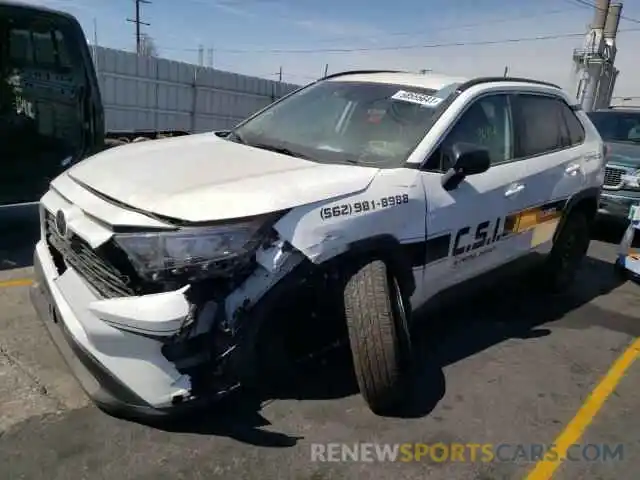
x: 508, y: 367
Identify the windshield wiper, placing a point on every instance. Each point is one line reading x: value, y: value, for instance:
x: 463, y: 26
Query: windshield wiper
x: 236, y: 136
x: 277, y: 149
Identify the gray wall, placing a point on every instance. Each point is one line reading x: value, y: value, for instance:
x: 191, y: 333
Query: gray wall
x: 146, y: 93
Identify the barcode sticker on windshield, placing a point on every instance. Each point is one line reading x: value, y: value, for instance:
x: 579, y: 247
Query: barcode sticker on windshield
x: 419, y: 98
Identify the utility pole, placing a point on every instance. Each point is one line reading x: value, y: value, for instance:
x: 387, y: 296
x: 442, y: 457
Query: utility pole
x: 594, y: 71
x: 95, y: 44
x: 138, y: 23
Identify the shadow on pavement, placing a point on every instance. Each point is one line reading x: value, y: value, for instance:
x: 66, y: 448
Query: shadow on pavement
x: 611, y: 231
x: 509, y: 310
x: 17, y: 241
x: 236, y: 417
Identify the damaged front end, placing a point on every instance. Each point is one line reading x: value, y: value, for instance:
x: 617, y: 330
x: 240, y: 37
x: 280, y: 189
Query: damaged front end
x: 194, y: 291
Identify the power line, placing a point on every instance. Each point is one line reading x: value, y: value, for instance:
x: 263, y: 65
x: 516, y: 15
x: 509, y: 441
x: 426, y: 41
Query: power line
x: 391, y: 34
x: 419, y: 46
x: 405, y: 47
x: 509, y: 19
x: 584, y: 3
x: 138, y: 23
x: 495, y: 21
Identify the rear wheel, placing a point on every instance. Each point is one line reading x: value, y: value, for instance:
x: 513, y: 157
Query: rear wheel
x: 568, y: 252
x: 377, y: 323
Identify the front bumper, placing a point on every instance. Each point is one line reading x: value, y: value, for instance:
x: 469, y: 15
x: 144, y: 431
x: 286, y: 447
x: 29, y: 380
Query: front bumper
x: 125, y: 373
x: 616, y: 205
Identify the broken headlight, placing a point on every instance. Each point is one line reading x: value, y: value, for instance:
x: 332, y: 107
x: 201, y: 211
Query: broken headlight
x: 191, y: 253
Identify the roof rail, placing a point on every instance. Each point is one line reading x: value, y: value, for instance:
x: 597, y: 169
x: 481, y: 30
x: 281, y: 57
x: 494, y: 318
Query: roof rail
x: 481, y: 80
x: 623, y: 107
x: 356, y: 72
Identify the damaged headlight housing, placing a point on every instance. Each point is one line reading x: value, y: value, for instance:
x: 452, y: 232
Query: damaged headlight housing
x: 194, y: 252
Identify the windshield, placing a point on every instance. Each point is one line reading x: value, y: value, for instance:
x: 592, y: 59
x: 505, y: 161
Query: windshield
x: 617, y: 126
x: 346, y: 122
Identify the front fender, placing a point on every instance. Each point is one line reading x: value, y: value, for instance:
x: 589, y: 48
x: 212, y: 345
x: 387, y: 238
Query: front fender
x: 393, y: 205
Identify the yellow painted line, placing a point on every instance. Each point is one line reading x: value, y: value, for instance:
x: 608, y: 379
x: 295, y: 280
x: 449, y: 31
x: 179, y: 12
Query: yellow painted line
x: 545, y: 469
x: 20, y: 282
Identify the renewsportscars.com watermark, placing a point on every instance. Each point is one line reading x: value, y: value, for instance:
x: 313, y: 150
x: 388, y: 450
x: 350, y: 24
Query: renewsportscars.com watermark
x: 463, y: 452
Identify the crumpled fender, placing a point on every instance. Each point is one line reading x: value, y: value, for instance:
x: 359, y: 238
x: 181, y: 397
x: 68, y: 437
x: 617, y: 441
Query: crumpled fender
x: 323, y: 230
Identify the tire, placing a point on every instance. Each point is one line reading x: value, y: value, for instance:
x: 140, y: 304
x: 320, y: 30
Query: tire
x: 569, y: 249
x: 378, y: 335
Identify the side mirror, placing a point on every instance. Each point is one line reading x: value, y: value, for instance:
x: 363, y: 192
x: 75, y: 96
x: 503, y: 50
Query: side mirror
x: 468, y: 159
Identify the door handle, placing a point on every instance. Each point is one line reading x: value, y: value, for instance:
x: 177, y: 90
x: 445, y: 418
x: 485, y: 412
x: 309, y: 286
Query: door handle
x: 573, y: 168
x: 513, y: 189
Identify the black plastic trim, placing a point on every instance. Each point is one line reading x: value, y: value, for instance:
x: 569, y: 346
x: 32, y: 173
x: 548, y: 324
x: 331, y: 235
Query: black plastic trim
x: 481, y: 80
x: 360, y: 72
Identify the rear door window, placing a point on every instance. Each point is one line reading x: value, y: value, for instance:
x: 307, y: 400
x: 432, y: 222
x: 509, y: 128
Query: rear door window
x: 541, y: 125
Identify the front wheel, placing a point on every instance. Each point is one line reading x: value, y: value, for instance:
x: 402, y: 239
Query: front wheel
x: 378, y: 329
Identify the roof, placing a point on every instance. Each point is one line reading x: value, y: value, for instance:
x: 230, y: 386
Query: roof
x: 35, y: 8
x: 418, y: 80
x: 432, y: 81
x: 619, y: 109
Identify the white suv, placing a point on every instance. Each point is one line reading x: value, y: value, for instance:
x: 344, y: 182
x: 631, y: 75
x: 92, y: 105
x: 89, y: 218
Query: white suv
x: 166, y: 268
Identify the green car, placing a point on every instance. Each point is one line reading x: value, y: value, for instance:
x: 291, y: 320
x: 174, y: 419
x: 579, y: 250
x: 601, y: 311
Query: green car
x: 620, y: 130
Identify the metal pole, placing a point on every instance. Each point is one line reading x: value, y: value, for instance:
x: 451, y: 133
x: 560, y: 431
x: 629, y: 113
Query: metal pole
x: 594, y: 70
x: 138, y: 42
x: 95, y: 44
x: 138, y: 22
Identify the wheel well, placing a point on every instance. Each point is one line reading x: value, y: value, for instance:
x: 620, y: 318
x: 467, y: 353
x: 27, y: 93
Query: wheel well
x: 386, y: 248
x: 319, y: 286
x: 588, y: 206
x: 586, y: 203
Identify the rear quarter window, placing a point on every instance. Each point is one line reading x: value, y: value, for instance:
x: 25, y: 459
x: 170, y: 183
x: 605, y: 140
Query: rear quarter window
x: 574, y: 125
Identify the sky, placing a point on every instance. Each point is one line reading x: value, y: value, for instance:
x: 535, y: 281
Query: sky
x: 303, y: 37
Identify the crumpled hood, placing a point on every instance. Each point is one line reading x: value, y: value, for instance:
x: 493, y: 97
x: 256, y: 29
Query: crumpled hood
x: 204, y: 177
x: 624, y: 154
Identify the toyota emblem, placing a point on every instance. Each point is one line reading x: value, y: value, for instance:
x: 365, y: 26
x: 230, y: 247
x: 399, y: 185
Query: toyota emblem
x: 61, y: 223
